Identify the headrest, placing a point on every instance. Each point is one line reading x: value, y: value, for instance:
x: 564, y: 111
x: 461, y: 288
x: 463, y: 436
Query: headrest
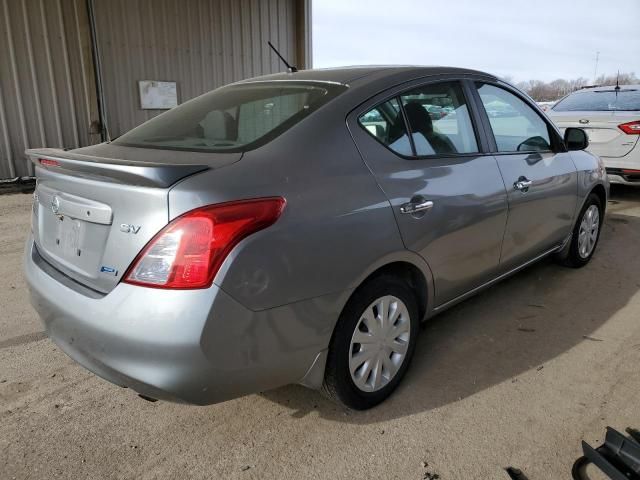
x: 419, y: 118
x: 214, y: 125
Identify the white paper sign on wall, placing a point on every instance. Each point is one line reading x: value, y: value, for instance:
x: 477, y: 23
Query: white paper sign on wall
x: 155, y: 95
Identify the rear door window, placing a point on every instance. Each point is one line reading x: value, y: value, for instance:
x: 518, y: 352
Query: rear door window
x: 385, y: 123
x: 439, y: 120
x: 516, y: 126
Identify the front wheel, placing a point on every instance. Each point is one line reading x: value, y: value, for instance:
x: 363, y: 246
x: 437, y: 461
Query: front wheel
x: 372, y: 344
x: 586, y: 234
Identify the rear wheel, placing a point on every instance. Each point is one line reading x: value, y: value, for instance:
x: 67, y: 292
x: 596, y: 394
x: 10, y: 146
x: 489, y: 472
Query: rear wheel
x: 586, y: 234
x: 372, y: 344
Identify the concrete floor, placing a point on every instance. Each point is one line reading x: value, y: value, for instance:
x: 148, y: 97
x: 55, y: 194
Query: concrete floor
x: 518, y: 375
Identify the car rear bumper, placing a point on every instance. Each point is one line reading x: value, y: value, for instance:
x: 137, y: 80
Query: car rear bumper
x: 624, y: 176
x: 194, y: 346
x: 624, y: 170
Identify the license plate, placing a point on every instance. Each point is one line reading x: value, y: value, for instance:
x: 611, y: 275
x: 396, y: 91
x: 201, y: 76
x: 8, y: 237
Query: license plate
x: 68, y: 237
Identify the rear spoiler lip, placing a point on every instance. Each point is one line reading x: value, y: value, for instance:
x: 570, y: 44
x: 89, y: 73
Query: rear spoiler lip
x: 126, y: 172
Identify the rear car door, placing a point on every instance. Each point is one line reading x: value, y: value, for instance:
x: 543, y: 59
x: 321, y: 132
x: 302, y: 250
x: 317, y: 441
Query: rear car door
x: 538, y: 172
x: 448, y: 196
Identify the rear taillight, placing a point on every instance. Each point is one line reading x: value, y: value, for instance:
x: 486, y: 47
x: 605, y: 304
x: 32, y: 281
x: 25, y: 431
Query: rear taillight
x: 48, y: 162
x: 188, y: 252
x: 631, y: 128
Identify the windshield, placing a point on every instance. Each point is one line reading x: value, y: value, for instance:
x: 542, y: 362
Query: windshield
x: 231, y: 119
x: 626, y: 99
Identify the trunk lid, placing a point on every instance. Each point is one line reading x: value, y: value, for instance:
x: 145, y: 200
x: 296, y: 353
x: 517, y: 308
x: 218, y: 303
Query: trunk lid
x: 605, y: 138
x: 96, y: 208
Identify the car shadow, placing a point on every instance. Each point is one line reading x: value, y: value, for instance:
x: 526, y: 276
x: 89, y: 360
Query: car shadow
x: 511, y: 328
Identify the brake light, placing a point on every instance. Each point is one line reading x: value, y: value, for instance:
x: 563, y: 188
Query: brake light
x: 189, y: 251
x: 48, y: 162
x: 631, y: 128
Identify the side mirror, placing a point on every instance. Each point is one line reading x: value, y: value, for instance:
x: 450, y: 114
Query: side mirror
x: 576, y: 139
x: 534, y: 144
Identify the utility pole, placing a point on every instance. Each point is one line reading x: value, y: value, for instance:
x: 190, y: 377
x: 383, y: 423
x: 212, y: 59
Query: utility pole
x: 595, y: 70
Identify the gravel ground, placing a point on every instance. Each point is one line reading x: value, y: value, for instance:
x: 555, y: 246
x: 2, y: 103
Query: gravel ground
x: 518, y: 375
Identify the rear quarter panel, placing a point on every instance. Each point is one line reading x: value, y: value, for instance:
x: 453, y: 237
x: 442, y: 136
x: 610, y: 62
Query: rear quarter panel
x: 591, y: 172
x: 336, y: 225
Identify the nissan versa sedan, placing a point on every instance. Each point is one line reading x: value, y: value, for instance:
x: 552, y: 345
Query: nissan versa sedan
x: 611, y: 118
x: 298, y: 228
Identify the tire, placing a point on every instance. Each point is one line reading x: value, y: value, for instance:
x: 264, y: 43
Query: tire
x: 380, y: 343
x: 574, y: 255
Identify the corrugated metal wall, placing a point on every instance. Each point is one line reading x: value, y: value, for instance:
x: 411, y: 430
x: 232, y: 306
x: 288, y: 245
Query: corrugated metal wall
x: 200, y: 44
x: 47, y: 83
x: 47, y: 94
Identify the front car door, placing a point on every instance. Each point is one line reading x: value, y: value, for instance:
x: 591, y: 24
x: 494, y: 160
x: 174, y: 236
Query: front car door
x: 446, y: 192
x: 538, y: 172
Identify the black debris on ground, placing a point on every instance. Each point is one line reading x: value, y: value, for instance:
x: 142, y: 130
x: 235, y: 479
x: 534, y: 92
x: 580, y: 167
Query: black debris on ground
x: 516, y: 473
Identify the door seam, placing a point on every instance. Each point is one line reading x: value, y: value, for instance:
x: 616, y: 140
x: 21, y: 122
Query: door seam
x: 506, y: 220
x: 375, y: 179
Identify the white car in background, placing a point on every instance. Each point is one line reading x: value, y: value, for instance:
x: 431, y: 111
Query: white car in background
x: 611, y: 118
x: 545, y: 106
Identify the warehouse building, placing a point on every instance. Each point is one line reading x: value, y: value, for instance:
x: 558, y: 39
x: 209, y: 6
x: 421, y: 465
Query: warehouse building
x: 78, y: 72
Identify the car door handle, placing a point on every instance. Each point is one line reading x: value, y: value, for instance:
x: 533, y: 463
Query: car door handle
x: 416, y: 206
x: 522, y: 184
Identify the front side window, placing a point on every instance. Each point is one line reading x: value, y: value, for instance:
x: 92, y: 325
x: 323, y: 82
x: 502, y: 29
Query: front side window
x: 516, y: 126
x: 386, y: 124
x: 439, y: 120
x: 232, y: 119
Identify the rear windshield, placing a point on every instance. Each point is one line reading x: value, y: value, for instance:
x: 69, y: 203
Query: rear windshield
x: 600, y: 101
x: 232, y: 119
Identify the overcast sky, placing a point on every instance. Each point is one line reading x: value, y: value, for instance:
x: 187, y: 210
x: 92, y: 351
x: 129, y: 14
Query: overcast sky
x: 533, y: 39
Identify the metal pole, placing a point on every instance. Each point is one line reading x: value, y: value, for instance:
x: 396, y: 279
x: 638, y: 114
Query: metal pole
x: 102, y: 106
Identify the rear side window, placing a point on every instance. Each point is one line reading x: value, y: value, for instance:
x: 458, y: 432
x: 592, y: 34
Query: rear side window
x: 516, y: 126
x: 232, y: 119
x: 625, y: 99
x: 386, y: 124
x: 437, y: 116
x: 439, y: 120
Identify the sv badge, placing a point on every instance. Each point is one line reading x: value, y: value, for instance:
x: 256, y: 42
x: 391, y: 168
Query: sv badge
x: 128, y: 228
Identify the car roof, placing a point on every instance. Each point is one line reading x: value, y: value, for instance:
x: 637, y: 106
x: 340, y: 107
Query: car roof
x: 355, y: 74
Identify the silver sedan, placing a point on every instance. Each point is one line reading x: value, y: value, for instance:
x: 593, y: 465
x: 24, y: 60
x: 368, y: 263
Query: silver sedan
x: 298, y: 227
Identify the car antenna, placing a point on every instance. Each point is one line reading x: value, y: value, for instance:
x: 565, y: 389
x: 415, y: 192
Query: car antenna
x: 290, y: 68
x: 617, y: 82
